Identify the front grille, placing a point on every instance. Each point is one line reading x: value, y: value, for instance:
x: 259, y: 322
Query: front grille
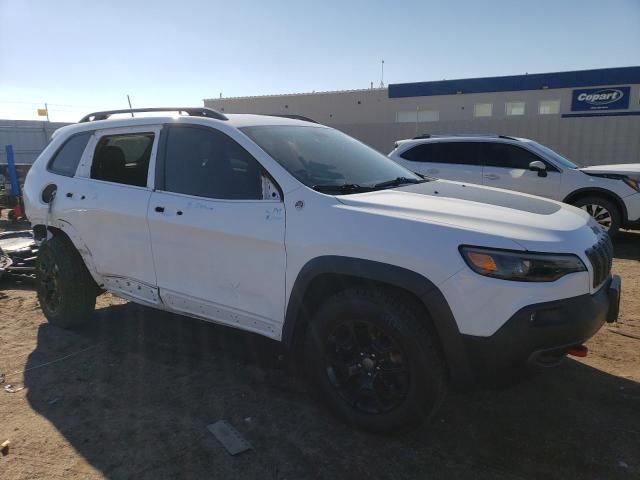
x: 601, y: 257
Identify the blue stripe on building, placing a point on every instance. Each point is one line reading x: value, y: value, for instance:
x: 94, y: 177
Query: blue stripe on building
x: 608, y: 114
x: 535, y: 81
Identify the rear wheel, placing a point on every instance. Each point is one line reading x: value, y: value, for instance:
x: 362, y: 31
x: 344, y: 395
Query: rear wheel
x: 373, y: 361
x: 604, y: 211
x: 66, y: 291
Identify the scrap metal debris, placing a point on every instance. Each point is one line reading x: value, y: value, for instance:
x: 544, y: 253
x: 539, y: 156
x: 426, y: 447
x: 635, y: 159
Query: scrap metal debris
x: 20, y: 251
x: 4, y: 448
x: 229, y: 437
x: 12, y: 388
x: 5, y: 263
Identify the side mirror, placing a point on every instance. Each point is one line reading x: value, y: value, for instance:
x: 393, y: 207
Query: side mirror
x: 538, y: 166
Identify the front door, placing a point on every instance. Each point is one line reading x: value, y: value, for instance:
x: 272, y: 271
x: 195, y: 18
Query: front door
x: 218, y: 244
x: 507, y: 166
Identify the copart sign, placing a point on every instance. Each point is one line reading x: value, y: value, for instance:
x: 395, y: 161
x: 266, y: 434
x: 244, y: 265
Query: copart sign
x: 610, y: 98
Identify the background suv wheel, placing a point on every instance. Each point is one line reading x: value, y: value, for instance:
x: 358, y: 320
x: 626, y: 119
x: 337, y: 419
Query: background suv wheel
x: 605, y: 212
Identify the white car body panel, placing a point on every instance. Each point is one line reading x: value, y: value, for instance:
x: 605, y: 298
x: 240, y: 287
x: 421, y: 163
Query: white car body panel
x: 222, y: 259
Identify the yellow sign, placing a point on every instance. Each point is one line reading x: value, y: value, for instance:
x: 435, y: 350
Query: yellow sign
x: 42, y: 112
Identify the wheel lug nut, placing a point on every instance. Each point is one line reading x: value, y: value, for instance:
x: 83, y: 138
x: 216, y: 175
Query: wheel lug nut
x: 369, y: 374
x: 359, y: 365
x: 362, y: 354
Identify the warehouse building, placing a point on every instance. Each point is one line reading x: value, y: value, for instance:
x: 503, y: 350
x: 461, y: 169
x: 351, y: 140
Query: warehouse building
x: 590, y: 116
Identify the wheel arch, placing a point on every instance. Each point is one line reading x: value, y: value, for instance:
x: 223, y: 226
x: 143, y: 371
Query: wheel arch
x: 599, y: 192
x: 67, y: 231
x: 325, y: 275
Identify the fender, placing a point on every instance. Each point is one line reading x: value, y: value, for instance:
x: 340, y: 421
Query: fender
x: 603, y: 193
x: 73, y: 235
x: 426, y: 291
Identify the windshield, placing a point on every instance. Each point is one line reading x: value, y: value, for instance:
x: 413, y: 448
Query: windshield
x: 323, y: 157
x: 562, y: 161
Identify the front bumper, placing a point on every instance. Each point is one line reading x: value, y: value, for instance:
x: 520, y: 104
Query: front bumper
x: 539, y: 333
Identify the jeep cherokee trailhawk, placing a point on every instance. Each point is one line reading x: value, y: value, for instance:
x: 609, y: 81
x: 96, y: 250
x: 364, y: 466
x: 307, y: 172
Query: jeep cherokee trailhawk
x: 391, y: 286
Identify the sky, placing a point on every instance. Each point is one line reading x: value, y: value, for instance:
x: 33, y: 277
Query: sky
x: 84, y: 55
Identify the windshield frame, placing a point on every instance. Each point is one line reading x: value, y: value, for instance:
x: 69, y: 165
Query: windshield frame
x: 343, y: 185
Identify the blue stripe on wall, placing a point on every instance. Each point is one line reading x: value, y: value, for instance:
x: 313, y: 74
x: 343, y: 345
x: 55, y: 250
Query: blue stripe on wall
x: 610, y: 114
x: 536, y: 81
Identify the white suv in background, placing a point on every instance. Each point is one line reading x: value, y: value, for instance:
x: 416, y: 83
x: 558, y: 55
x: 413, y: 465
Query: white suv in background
x: 609, y: 193
x: 389, y: 286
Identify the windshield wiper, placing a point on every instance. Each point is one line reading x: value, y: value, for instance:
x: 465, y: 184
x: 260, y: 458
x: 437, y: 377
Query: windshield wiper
x: 397, y: 182
x: 342, y: 188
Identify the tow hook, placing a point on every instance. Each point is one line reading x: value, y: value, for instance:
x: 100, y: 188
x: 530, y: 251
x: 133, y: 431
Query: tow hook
x: 578, y: 351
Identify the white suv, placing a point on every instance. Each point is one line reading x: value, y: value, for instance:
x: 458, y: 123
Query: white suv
x: 610, y: 193
x: 390, y: 286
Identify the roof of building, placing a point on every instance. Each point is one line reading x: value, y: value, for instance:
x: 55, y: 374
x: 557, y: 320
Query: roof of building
x: 277, y: 95
x: 535, y: 81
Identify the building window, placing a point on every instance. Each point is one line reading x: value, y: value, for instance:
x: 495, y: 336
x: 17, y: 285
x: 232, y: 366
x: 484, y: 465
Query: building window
x: 483, y: 109
x: 549, y: 107
x: 418, y: 116
x: 514, y: 108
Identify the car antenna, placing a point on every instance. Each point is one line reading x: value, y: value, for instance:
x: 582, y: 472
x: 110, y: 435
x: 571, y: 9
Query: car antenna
x: 130, y: 107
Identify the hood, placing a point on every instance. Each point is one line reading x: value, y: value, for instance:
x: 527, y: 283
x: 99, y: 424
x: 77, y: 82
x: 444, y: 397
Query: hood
x: 620, y: 169
x: 532, y: 222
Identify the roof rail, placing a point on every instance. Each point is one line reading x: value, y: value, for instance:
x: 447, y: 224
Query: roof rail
x: 479, y: 135
x: 193, y: 111
x: 295, y: 117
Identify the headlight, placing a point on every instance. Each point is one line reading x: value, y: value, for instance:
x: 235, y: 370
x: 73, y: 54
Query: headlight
x: 632, y: 182
x: 520, y: 266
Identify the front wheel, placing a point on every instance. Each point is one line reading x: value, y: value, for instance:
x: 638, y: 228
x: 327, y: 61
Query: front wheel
x: 604, y: 211
x: 374, y: 362
x: 66, y: 291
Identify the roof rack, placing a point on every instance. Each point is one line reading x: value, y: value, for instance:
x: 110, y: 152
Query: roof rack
x: 296, y: 117
x: 480, y: 135
x: 193, y: 111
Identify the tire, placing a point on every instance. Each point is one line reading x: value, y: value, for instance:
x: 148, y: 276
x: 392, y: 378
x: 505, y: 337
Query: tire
x: 66, y: 290
x: 403, y: 386
x: 599, y: 207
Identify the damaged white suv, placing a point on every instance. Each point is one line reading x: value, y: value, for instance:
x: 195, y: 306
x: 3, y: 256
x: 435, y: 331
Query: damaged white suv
x: 391, y: 286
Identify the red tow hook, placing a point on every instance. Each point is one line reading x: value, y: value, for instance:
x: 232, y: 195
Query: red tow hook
x: 578, y: 351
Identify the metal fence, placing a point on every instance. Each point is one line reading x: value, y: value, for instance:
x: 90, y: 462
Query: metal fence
x: 27, y: 137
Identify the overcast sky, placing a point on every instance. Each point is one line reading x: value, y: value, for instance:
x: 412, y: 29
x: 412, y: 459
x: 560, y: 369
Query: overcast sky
x: 80, y: 55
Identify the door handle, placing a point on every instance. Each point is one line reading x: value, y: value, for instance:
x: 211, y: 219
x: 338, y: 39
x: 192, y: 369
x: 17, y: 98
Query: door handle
x: 160, y: 209
x: 492, y: 177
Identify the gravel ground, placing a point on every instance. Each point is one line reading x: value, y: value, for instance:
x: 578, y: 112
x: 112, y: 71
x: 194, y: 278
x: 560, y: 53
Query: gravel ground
x: 130, y: 396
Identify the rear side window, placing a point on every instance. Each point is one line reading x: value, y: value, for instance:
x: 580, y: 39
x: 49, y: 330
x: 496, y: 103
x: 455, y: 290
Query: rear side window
x: 123, y: 159
x: 65, y: 162
x: 207, y: 163
x: 503, y: 155
x: 454, y: 153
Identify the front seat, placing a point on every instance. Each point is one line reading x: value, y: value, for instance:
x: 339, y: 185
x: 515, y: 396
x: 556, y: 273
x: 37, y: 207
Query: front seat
x: 109, y: 165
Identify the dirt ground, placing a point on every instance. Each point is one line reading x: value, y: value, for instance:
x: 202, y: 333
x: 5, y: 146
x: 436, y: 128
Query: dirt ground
x: 130, y: 396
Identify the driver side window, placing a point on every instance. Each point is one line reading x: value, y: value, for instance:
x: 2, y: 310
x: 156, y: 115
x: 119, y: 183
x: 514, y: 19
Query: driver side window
x: 205, y: 162
x: 503, y: 155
